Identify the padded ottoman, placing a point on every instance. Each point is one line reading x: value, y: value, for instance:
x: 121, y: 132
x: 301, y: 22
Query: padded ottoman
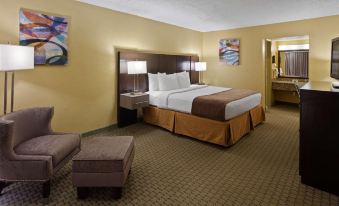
x: 103, y: 162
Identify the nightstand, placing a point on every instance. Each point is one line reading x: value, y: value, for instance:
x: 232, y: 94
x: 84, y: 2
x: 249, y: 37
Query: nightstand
x: 128, y: 108
x: 134, y: 101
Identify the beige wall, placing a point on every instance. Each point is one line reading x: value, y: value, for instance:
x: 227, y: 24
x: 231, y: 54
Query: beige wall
x: 84, y: 91
x: 251, y: 72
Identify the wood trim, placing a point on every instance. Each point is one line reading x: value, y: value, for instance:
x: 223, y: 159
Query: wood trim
x: 100, y: 130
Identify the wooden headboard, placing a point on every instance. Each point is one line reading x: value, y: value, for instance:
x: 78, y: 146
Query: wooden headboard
x: 162, y: 63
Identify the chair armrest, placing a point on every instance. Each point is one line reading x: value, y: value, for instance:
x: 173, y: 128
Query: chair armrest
x: 27, y: 167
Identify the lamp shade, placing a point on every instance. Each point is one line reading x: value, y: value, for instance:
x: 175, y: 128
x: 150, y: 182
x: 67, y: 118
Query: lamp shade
x: 200, y: 66
x: 13, y: 57
x: 137, y: 67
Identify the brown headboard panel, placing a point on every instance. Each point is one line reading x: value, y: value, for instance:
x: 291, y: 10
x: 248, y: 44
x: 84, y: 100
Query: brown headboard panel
x: 162, y: 63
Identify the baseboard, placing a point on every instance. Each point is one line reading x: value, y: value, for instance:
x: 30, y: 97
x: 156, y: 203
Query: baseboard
x: 97, y: 131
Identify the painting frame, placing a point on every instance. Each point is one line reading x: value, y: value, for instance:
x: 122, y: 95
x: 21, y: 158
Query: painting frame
x: 47, y: 33
x: 229, y: 51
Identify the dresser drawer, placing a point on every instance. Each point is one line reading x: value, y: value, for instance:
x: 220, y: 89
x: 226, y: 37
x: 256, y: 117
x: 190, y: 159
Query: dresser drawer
x: 132, y: 102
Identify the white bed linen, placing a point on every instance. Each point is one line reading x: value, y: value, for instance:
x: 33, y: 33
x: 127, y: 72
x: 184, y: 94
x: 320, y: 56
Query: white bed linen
x: 181, y: 100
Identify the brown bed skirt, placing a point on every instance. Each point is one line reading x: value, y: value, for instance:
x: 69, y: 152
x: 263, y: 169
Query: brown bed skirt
x: 224, y: 133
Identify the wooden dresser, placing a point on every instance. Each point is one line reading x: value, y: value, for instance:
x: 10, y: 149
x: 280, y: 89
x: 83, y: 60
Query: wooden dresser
x: 319, y: 136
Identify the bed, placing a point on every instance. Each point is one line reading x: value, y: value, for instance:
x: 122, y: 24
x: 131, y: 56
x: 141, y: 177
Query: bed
x: 181, y: 100
x: 172, y: 110
x: 177, y: 110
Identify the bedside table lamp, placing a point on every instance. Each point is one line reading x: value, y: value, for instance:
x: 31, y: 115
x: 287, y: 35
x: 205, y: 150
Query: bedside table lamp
x: 14, y: 58
x: 200, y: 67
x: 136, y: 68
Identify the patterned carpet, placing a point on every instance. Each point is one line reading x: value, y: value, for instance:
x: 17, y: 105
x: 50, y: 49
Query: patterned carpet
x: 262, y: 169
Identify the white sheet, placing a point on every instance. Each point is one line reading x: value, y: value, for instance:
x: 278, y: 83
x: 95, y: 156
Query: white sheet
x: 181, y: 100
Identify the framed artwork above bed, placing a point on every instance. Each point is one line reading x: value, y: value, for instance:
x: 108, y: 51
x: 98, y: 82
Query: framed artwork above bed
x: 229, y: 51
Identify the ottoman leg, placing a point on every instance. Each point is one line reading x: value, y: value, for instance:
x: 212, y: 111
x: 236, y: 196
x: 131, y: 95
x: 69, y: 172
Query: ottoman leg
x: 46, y: 189
x: 117, y: 192
x: 82, y: 192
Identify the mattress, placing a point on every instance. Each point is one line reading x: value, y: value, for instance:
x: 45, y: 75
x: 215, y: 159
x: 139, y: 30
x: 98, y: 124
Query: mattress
x: 181, y: 100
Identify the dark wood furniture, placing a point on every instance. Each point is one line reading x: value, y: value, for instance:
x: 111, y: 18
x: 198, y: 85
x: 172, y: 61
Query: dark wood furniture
x: 319, y: 136
x: 128, y: 107
x: 155, y: 63
x: 134, y: 101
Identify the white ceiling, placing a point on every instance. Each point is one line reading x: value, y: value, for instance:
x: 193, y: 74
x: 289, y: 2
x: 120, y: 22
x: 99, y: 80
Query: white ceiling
x: 212, y: 15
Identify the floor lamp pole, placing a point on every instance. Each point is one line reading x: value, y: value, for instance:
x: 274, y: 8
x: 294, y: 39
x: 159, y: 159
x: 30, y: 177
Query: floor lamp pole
x: 5, y: 94
x: 12, y: 92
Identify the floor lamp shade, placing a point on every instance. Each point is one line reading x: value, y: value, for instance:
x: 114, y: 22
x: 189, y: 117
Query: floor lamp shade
x: 14, y: 57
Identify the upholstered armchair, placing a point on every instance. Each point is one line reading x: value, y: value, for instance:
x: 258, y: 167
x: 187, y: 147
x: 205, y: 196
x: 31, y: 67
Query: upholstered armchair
x: 30, y: 150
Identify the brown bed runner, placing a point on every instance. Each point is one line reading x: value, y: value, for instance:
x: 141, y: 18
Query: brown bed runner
x: 213, y: 106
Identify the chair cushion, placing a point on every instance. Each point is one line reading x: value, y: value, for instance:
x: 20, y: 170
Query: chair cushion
x: 104, y: 155
x: 57, y: 146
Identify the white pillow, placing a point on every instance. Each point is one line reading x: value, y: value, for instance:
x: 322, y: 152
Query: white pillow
x: 184, y: 79
x: 153, y: 84
x: 168, y: 82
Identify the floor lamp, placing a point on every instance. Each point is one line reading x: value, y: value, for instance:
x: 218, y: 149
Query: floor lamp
x: 200, y: 67
x: 136, y: 68
x: 14, y: 58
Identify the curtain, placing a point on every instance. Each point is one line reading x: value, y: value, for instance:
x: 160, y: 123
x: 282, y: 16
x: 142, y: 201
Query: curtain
x: 296, y: 63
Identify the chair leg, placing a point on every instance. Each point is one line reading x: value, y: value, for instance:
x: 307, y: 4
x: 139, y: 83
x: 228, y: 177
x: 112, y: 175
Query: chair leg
x: 2, y: 186
x: 46, y: 189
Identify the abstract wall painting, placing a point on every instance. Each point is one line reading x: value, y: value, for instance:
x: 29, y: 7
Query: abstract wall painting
x: 229, y: 51
x: 48, y: 34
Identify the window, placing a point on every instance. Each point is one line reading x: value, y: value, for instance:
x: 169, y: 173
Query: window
x: 293, y: 63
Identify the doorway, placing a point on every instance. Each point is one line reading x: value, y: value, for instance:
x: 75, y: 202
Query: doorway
x: 286, y: 69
